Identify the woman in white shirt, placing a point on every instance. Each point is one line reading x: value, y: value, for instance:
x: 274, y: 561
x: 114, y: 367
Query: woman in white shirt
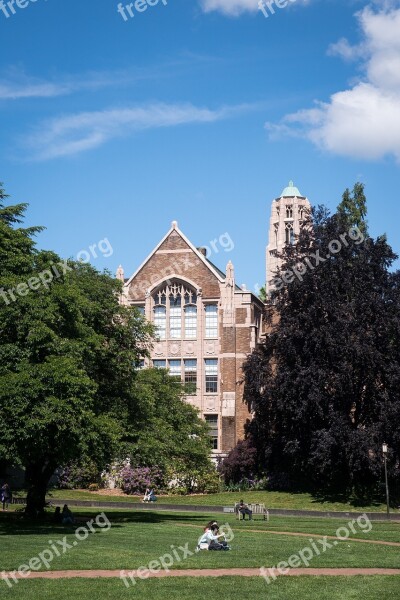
x: 209, y: 540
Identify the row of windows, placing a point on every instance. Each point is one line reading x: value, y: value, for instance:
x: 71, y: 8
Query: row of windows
x: 186, y: 370
x: 176, y: 322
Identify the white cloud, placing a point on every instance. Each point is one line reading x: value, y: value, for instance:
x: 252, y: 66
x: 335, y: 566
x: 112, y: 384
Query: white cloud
x: 235, y: 8
x: 346, y: 51
x: 363, y: 121
x: 87, y: 130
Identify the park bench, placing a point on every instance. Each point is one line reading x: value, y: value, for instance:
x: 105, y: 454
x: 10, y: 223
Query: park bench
x: 257, y: 509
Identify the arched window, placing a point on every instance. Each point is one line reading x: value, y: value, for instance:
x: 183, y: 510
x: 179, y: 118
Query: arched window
x: 175, y: 311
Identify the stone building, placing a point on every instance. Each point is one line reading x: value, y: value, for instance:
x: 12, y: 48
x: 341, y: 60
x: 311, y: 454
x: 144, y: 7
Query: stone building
x: 287, y: 214
x: 206, y: 325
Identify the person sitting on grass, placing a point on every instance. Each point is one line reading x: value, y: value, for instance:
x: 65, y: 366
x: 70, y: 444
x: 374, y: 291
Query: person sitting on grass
x: 245, y: 510
x: 57, y: 517
x: 152, y: 496
x: 210, y: 540
x: 149, y: 496
x: 67, y: 516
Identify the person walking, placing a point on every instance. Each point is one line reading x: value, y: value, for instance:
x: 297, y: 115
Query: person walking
x: 5, y: 495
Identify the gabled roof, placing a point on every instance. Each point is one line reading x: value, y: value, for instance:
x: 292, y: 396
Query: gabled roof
x: 174, y: 227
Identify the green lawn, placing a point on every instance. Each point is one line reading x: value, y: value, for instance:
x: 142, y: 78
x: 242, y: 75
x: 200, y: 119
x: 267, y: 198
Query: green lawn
x: 271, y: 499
x: 136, y: 538
x: 226, y: 588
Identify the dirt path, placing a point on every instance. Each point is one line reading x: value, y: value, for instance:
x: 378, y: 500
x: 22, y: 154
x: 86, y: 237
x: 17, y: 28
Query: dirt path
x: 129, y: 575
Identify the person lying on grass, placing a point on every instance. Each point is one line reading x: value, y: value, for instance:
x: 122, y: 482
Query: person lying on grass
x: 210, y: 539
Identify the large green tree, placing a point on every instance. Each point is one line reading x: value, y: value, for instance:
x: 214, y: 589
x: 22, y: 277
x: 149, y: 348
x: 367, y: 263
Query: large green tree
x: 324, y: 385
x: 168, y: 431
x: 68, y: 355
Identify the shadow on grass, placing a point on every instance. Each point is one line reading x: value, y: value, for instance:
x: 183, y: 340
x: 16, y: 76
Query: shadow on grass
x: 15, y: 523
x: 340, y: 498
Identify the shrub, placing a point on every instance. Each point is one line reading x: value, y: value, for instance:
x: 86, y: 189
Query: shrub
x: 78, y: 475
x: 240, y: 464
x: 135, y: 480
x: 197, y: 481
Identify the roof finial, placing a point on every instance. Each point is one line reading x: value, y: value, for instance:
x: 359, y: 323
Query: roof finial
x: 174, y: 224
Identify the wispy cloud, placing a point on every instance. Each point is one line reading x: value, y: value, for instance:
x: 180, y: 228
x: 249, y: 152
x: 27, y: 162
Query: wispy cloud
x: 69, y: 135
x: 17, y: 85
x: 234, y: 8
x: 364, y: 120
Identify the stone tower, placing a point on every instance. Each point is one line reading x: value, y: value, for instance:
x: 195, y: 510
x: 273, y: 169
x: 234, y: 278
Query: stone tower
x: 287, y: 214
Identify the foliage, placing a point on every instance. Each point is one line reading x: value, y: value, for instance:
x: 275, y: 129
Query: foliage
x: 353, y: 208
x: 262, y: 294
x: 324, y: 385
x: 67, y: 356
x: 81, y: 474
x: 196, y: 481
x: 166, y: 431
x: 240, y: 463
x: 136, y: 480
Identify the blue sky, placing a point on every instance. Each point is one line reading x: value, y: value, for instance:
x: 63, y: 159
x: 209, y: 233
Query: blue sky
x: 198, y: 111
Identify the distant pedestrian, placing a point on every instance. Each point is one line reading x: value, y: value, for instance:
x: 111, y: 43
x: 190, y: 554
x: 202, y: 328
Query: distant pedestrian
x: 5, y: 496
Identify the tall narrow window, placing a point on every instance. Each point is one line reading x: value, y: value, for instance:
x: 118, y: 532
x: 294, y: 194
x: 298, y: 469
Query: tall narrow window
x: 289, y: 233
x: 175, y: 368
x: 276, y: 230
x: 190, y: 322
x: 212, y: 422
x: 175, y: 318
x: 190, y: 376
x: 211, y: 372
x: 160, y: 321
x: 211, y: 321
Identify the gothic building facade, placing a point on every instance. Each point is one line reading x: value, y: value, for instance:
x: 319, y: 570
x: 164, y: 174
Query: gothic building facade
x: 206, y: 324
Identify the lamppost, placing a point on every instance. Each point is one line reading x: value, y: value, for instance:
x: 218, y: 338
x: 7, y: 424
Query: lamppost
x: 385, y: 451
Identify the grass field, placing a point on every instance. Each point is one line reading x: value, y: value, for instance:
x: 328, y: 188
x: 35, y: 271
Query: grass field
x: 135, y: 539
x: 300, y: 501
x: 226, y: 588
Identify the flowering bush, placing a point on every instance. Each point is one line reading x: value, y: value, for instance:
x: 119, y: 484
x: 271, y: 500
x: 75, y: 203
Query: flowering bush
x: 135, y: 480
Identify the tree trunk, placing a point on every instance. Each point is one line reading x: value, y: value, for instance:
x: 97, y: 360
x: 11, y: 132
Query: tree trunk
x: 37, y: 478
